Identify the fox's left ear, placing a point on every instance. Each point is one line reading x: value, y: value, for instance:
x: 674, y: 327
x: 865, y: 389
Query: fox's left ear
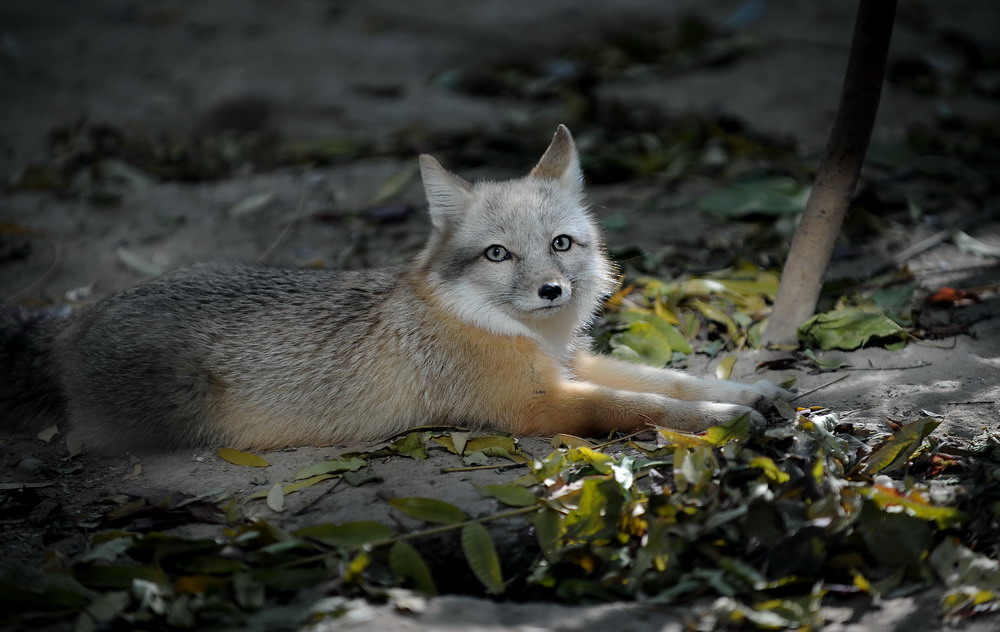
x: 560, y: 161
x: 447, y: 194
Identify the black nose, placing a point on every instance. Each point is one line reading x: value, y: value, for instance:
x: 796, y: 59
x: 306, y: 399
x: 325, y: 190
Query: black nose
x: 550, y: 291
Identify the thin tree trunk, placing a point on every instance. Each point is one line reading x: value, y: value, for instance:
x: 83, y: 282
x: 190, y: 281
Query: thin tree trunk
x: 837, y: 178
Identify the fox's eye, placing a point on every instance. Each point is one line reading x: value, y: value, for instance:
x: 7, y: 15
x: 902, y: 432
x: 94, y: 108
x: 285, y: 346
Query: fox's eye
x: 562, y: 242
x: 497, y: 253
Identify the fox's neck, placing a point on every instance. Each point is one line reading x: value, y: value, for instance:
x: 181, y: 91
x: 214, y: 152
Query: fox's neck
x: 556, y: 334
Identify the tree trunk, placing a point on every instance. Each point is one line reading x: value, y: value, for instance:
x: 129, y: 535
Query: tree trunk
x: 837, y: 178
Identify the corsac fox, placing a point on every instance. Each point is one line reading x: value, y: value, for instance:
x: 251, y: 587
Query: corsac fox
x: 485, y: 328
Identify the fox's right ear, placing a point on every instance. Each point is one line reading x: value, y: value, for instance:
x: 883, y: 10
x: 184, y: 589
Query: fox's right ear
x: 447, y: 194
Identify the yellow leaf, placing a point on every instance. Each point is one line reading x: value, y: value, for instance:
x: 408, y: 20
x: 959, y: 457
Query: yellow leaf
x: 134, y: 474
x: 770, y: 468
x: 681, y: 439
x: 241, y: 458
x: 725, y: 368
x: 569, y: 441
x: 296, y: 486
x: 665, y: 312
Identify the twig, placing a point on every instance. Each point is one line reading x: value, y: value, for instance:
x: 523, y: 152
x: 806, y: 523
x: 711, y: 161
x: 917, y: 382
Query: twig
x: 974, y: 403
x: 472, y: 468
x: 295, y: 219
x: 887, y: 368
x: 326, y: 492
x: 415, y: 534
x: 40, y: 280
x: 601, y: 446
x: 842, y: 377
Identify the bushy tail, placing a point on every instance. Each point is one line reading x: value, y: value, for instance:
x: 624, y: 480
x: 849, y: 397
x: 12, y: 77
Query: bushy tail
x: 30, y: 394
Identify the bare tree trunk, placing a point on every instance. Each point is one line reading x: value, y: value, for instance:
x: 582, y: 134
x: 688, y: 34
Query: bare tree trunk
x: 837, y: 178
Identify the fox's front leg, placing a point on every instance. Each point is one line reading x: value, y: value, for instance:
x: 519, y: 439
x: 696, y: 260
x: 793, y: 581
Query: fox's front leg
x: 584, y: 409
x: 609, y: 371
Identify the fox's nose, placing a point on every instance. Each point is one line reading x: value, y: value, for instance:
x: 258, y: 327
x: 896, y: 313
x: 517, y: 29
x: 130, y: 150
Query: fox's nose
x: 550, y: 291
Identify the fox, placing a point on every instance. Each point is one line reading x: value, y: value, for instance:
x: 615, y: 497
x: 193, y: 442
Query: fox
x: 486, y: 328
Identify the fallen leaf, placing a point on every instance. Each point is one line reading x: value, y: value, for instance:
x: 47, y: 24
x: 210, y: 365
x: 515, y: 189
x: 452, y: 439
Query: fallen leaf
x: 48, y: 434
x: 245, y: 459
x: 137, y: 264
x: 393, y: 185
x: 134, y: 474
x: 330, y: 467
x: 429, y: 510
x: 250, y: 204
x: 276, y: 498
x: 725, y: 367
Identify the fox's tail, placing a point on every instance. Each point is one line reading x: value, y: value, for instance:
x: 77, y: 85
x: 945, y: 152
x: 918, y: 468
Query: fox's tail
x: 30, y: 393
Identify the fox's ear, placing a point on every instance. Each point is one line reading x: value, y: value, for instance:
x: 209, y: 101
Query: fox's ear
x: 560, y: 160
x: 447, y: 194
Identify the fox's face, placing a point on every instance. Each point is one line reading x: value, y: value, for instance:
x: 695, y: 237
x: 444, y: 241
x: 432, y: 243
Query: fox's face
x: 521, y: 255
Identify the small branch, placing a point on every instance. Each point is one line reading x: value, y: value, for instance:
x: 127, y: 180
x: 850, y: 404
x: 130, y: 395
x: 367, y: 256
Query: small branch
x: 319, y: 557
x: 296, y: 218
x: 842, y: 377
x: 601, y: 446
x: 473, y: 468
x: 40, y: 280
x: 973, y: 403
x: 887, y: 368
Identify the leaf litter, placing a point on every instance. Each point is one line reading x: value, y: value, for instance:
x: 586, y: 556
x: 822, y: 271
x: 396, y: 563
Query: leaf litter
x: 764, y: 524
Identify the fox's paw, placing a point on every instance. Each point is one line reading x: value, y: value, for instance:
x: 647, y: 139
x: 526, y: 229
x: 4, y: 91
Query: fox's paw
x: 699, y: 416
x: 759, y: 395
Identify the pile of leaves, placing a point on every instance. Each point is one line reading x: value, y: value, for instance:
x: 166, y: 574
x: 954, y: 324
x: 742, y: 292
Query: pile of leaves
x: 660, y: 322
x: 668, y: 47
x: 758, y: 526
x: 95, y: 161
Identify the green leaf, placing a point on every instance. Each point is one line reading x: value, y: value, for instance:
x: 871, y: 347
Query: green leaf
x: 849, y: 329
x: 896, y: 451
x: 648, y: 339
x: 330, y: 467
x: 897, y: 540
x: 291, y: 488
x: 767, y: 196
x: 736, y: 429
x: 406, y: 562
x: 348, y: 534
x: 412, y: 445
x: 429, y: 510
x: 595, y: 517
x: 481, y: 554
x: 510, y: 494
x: 245, y: 459
x: 548, y: 530
x: 826, y: 363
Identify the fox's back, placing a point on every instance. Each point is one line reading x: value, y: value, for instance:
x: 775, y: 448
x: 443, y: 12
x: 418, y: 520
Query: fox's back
x: 202, y: 343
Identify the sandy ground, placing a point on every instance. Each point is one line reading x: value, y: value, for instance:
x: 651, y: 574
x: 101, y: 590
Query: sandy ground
x: 363, y: 68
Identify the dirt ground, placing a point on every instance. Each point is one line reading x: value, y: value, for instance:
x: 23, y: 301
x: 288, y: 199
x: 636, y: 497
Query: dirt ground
x: 371, y: 70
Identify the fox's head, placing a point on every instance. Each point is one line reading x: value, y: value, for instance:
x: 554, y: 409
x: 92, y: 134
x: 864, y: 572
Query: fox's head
x: 520, y: 256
